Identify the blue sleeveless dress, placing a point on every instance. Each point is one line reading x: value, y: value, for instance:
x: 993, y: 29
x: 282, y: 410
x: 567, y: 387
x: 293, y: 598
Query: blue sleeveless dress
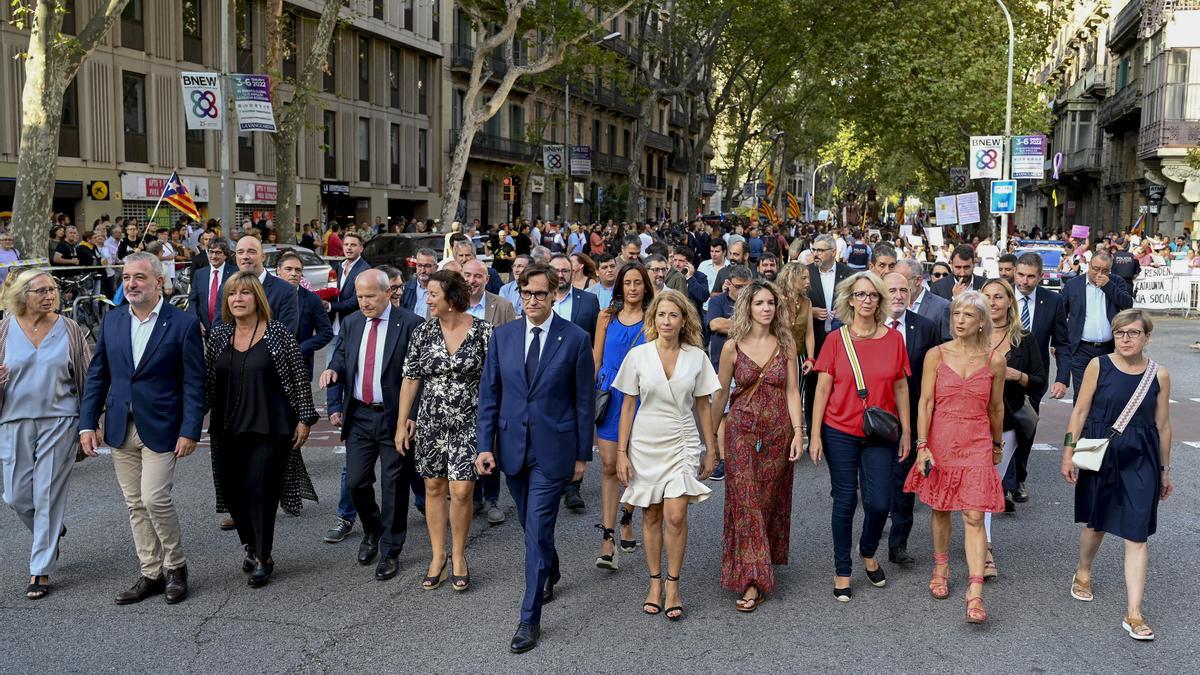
x: 617, y: 342
x: 1122, y: 497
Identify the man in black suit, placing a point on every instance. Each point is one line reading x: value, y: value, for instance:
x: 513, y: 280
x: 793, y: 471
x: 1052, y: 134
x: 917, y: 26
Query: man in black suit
x: 413, y: 296
x: 824, y: 275
x: 281, y: 297
x: 935, y: 308
x: 315, y: 331
x: 1091, y: 302
x: 346, y: 302
x: 920, y: 335
x: 204, y: 297
x: 1042, y: 314
x: 962, y: 274
x: 371, y: 380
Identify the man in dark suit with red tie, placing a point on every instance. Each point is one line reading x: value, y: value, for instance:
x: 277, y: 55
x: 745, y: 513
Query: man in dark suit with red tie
x: 204, y: 297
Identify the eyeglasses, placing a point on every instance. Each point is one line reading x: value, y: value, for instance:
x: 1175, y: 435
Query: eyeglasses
x: 937, y: 275
x: 821, y: 250
x: 1100, y: 270
x: 43, y: 292
x: 425, y: 266
x: 866, y: 295
x: 1128, y: 334
x: 540, y: 295
x: 396, y: 289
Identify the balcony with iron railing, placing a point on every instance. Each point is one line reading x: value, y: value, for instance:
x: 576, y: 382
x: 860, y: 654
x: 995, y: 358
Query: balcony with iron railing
x: 1169, y: 133
x: 1122, y: 108
x: 1124, y: 29
x: 659, y: 141
x: 1081, y: 161
x: 677, y: 119
x: 610, y: 163
x: 491, y: 146
x: 678, y: 163
x: 462, y: 57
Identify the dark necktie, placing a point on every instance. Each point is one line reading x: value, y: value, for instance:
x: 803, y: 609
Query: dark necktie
x: 534, y: 355
x: 1026, y: 322
x: 368, y: 374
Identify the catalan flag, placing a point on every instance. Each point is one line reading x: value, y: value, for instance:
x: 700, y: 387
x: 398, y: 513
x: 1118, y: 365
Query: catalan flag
x: 770, y: 187
x: 176, y: 194
x: 793, y: 206
x: 766, y: 210
x: 1139, y: 227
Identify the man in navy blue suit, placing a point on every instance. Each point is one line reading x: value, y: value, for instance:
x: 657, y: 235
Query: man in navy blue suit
x: 204, y: 298
x: 281, y: 297
x: 536, y: 409
x: 147, y: 375
x: 314, y: 330
x: 346, y: 302
x: 1092, y: 301
x: 413, y: 296
x: 582, y: 309
x: 920, y: 335
x: 1043, y: 315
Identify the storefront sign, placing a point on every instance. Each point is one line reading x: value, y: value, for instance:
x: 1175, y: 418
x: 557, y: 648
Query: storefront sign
x: 335, y: 188
x: 254, y: 192
x: 143, y: 186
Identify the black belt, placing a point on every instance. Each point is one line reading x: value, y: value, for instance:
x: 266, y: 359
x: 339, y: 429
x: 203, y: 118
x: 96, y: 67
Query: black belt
x: 1097, y: 345
x: 374, y: 407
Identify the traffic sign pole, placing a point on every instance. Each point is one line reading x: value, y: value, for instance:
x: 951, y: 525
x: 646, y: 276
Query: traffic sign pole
x: 1003, y: 241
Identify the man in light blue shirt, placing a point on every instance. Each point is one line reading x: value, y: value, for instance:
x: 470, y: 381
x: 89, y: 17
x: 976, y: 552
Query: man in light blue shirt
x: 1092, y: 301
x: 606, y: 270
x: 510, y: 291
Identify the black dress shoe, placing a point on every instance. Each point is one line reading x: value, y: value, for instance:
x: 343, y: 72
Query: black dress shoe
x: 368, y: 549
x: 1009, y: 505
x: 249, y: 562
x: 387, y: 568
x: 262, y: 573
x: 144, y: 588
x: 525, y: 638
x: 1020, y: 495
x: 900, y: 556
x: 573, y: 501
x: 176, y: 585
x: 548, y: 591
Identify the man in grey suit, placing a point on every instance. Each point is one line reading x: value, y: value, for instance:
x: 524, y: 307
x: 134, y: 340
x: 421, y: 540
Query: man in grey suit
x: 924, y: 302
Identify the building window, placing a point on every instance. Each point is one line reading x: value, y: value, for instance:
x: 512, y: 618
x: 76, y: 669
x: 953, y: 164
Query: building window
x: 492, y: 126
x: 612, y: 139
x: 377, y: 9
x: 289, y: 24
x: 330, y: 78
x: 68, y: 23
x: 596, y: 147
x: 68, y: 131
x: 329, y: 144
x: 457, y: 102
x: 364, y: 149
x: 539, y: 112
x: 246, y: 151
x: 422, y: 85
x: 193, y: 23
x: 1183, y: 85
x: 394, y: 152
x: 436, y: 32
x: 133, y: 26
x: 244, y: 24
x: 423, y: 157
x: 364, y: 69
x: 133, y: 101
x: 626, y: 144
x: 408, y: 14
x: 394, y: 76
x: 516, y: 122
x: 554, y: 127
x: 193, y: 141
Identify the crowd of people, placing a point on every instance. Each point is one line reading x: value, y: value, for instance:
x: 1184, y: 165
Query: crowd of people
x: 679, y: 354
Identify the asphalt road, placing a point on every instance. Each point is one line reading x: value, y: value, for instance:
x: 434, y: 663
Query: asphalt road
x: 322, y: 612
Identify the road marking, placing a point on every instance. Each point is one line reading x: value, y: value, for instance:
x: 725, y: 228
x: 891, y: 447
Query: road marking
x: 1043, y: 446
x: 1192, y: 444
x: 339, y: 450
x: 1194, y: 400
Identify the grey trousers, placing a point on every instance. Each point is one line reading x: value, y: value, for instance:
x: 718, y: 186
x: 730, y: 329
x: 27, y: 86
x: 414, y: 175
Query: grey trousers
x: 37, y: 457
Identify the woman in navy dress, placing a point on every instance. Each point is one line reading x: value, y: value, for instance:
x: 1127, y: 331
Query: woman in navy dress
x: 1122, y: 497
x: 619, y: 329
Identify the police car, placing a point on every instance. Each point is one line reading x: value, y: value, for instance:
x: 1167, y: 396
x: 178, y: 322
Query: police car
x: 1051, y: 253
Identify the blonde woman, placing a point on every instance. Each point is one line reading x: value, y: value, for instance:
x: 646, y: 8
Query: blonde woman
x: 760, y: 357
x: 793, y: 282
x: 837, y: 422
x: 958, y: 443
x: 666, y: 382
x: 43, y: 363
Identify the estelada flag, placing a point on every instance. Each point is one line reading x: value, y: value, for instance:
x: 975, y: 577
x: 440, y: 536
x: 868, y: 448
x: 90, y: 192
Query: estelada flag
x: 793, y: 206
x: 176, y: 194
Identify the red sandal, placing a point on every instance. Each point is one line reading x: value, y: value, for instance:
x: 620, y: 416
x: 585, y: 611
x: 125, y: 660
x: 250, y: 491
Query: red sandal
x: 939, y: 586
x: 975, y: 611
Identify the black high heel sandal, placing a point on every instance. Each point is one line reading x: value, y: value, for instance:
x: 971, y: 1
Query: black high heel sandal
x: 676, y: 608
x: 460, y: 582
x: 627, y: 545
x: 647, y: 606
x: 37, y: 590
x: 608, y: 562
x: 432, y: 583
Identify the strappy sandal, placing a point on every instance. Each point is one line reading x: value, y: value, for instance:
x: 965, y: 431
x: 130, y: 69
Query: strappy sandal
x: 1081, y: 590
x: 627, y: 545
x: 37, y: 590
x: 975, y: 611
x: 747, y: 605
x: 647, y: 606
x: 432, y: 583
x: 608, y: 562
x: 1138, y: 629
x: 677, y: 608
x: 460, y: 582
x: 989, y: 566
x: 939, y: 584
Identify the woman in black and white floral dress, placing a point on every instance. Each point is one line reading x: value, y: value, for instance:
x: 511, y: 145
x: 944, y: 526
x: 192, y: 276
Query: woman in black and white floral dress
x: 445, y: 362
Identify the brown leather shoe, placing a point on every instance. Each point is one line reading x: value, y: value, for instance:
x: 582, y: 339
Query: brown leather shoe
x: 144, y: 588
x: 176, y: 587
x: 228, y: 524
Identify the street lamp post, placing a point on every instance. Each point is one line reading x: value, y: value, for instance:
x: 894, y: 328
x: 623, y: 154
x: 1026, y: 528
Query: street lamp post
x: 814, y: 183
x: 568, y: 179
x: 1007, y: 151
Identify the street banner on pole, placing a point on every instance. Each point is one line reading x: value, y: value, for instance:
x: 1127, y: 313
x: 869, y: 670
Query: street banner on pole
x: 1029, y: 157
x: 968, y: 208
x: 959, y: 175
x: 202, y: 102
x: 1004, y: 196
x: 252, y: 99
x: 947, y: 212
x: 986, y: 159
x: 554, y: 159
x: 581, y: 160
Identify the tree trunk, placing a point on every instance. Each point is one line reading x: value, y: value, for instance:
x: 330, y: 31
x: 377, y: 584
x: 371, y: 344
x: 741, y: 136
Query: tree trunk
x: 649, y: 104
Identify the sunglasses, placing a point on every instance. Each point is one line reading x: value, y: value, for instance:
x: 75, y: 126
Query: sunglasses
x: 937, y: 275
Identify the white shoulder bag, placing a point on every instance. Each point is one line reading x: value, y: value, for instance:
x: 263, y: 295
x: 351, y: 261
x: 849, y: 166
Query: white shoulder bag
x: 1089, y: 452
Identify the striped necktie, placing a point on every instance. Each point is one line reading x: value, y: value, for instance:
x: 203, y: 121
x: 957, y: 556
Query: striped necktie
x: 1026, y: 321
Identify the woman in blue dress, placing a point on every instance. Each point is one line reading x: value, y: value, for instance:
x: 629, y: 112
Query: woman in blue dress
x: 618, y: 330
x: 1122, y: 497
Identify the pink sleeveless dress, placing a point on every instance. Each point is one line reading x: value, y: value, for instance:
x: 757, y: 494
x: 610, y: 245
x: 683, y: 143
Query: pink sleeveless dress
x: 963, y: 477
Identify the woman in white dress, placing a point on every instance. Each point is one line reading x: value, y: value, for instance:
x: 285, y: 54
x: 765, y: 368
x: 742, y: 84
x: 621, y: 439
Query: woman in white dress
x: 666, y: 382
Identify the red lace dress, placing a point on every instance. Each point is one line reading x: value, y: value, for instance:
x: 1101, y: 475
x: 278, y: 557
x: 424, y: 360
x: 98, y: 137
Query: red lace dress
x: 758, y: 477
x: 960, y: 438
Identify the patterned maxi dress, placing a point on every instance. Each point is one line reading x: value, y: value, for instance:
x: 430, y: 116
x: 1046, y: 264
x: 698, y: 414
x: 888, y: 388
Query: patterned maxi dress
x: 758, y: 477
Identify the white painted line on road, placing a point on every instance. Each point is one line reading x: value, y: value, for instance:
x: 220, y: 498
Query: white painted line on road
x: 1194, y: 400
x: 1043, y: 446
x: 339, y: 450
x: 1192, y: 444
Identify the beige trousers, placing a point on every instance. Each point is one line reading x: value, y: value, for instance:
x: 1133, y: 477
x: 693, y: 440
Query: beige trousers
x: 146, y: 478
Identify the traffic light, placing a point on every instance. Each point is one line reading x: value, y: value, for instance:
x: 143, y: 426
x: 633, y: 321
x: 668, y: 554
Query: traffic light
x: 510, y: 190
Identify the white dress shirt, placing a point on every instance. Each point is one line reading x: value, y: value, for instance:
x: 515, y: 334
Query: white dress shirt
x: 1095, y: 322
x: 380, y: 341
x: 828, y: 284
x: 529, y: 326
x: 140, y: 331
x: 915, y: 307
x: 898, y: 326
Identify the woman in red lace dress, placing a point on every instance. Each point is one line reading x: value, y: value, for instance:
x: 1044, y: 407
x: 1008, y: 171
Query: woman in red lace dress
x: 760, y: 357
x: 960, y: 419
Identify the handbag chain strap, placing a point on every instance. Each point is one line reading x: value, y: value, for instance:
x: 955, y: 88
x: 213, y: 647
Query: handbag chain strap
x: 1139, y: 394
x: 859, y: 382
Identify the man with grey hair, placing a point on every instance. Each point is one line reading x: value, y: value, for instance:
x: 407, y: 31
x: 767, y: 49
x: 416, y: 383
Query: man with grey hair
x: 824, y: 276
x: 540, y: 255
x: 464, y: 251
x: 921, y: 301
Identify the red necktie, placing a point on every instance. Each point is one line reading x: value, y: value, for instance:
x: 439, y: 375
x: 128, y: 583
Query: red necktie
x: 212, y: 293
x: 368, y: 377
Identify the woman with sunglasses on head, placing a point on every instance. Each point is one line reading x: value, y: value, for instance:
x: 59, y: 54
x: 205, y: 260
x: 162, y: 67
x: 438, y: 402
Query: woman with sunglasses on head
x: 838, y: 421
x: 1135, y: 473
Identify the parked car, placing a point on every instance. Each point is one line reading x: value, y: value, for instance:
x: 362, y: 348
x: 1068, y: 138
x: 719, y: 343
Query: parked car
x: 1051, y: 253
x: 400, y: 250
x: 317, y: 272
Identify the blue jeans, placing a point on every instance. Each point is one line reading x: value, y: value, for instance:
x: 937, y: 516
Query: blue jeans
x: 853, y: 462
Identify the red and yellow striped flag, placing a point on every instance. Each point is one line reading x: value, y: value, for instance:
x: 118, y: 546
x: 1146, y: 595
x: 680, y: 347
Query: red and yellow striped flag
x: 770, y: 187
x: 793, y: 206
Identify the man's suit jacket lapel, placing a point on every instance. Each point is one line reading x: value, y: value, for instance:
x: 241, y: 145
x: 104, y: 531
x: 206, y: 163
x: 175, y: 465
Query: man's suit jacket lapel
x: 156, y: 335
x: 553, y: 342
x: 353, y: 340
x: 393, y: 337
x: 576, y: 307
x: 818, y: 294
x: 123, y: 339
x: 1043, y: 313
x: 910, y: 331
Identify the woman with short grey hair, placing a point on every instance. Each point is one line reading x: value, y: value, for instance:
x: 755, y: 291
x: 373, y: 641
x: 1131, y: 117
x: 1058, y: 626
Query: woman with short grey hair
x: 43, y: 362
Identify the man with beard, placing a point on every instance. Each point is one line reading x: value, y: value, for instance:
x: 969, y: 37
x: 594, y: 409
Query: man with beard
x: 768, y: 266
x: 413, y: 298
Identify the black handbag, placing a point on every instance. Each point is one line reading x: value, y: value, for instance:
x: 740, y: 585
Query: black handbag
x: 1027, y: 420
x: 603, y: 396
x: 880, y: 426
